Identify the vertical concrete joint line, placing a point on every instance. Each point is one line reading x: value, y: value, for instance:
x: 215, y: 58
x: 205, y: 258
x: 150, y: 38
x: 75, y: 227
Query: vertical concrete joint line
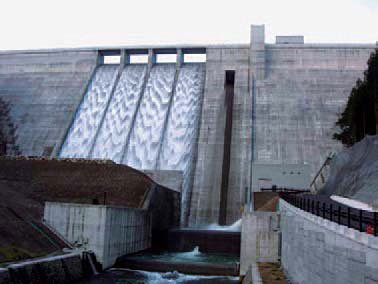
x: 164, y: 130
x: 58, y: 149
x: 141, y: 95
x: 112, y: 91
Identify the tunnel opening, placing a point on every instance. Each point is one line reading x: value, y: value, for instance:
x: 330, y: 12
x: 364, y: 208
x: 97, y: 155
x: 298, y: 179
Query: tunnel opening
x: 229, y: 103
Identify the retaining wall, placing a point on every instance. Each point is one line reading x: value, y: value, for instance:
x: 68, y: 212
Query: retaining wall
x: 108, y: 231
x: 259, y: 239
x: 57, y: 269
x: 316, y: 251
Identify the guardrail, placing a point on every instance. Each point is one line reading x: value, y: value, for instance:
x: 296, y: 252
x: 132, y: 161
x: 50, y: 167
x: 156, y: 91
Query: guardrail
x: 323, y: 206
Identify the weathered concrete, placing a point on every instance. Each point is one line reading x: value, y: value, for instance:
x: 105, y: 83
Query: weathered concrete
x: 281, y: 175
x: 259, y: 239
x: 108, y: 231
x: 296, y: 105
x: 315, y: 250
x: 170, y: 179
x: 43, y: 90
x: 208, y: 174
x: 57, y: 269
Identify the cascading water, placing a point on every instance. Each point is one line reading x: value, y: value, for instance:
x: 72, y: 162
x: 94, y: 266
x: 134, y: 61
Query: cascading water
x: 178, y: 145
x: 236, y: 227
x: 80, y: 138
x: 112, y: 137
x: 182, y: 122
x: 146, y: 135
x: 166, y: 278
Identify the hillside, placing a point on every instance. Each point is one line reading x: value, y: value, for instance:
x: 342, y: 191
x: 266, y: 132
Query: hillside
x: 25, y: 184
x: 354, y: 172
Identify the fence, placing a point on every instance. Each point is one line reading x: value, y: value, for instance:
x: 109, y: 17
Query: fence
x: 323, y: 206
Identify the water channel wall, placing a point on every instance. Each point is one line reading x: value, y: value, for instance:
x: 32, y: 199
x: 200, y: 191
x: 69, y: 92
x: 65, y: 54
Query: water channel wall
x: 56, y: 269
x: 260, y: 239
x: 316, y: 250
x: 108, y: 231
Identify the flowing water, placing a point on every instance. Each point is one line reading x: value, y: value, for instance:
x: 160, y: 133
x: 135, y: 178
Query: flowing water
x: 182, y: 122
x: 178, y: 146
x: 160, y: 137
x: 111, y: 140
x: 127, y: 276
x: 80, y: 137
x: 147, y: 133
x: 194, y: 256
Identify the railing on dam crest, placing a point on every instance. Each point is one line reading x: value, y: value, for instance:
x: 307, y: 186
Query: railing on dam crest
x: 323, y: 206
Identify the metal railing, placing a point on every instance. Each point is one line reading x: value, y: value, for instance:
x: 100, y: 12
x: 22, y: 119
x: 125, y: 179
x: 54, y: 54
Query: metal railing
x: 323, y: 206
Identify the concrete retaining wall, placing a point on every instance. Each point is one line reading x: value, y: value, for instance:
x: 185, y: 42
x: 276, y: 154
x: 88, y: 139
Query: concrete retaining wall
x: 316, y: 251
x: 57, y: 269
x: 259, y: 239
x: 108, y: 231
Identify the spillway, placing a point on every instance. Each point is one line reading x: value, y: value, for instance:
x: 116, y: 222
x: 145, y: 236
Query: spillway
x: 182, y: 122
x: 145, y: 140
x: 81, y: 135
x: 147, y: 123
x: 177, y: 151
x: 111, y: 140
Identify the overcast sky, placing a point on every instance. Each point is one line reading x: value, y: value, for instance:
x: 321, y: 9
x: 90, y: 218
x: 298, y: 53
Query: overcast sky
x: 81, y: 23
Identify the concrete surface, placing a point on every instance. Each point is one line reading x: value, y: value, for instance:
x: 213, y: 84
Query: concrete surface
x: 289, y: 39
x: 259, y: 239
x: 108, y: 231
x: 281, y: 175
x: 316, y: 251
x: 170, y: 179
x: 57, y: 269
x: 43, y: 90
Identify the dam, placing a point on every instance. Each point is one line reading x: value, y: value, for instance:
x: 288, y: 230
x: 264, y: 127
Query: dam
x: 241, y: 107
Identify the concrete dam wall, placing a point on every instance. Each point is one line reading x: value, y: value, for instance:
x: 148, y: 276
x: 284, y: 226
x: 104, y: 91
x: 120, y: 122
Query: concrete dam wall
x: 179, y: 116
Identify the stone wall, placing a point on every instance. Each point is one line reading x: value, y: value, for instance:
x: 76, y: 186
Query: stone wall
x: 108, y: 231
x: 43, y: 90
x: 316, y: 251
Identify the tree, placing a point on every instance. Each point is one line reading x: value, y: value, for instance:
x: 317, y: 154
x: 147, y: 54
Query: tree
x: 359, y: 117
x: 7, y: 131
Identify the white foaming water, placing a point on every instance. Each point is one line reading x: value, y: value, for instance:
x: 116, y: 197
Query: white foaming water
x: 83, y: 130
x: 234, y: 227
x: 195, y: 253
x: 147, y: 133
x: 112, y: 137
x: 183, y: 118
x: 171, y: 277
x: 182, y: 127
